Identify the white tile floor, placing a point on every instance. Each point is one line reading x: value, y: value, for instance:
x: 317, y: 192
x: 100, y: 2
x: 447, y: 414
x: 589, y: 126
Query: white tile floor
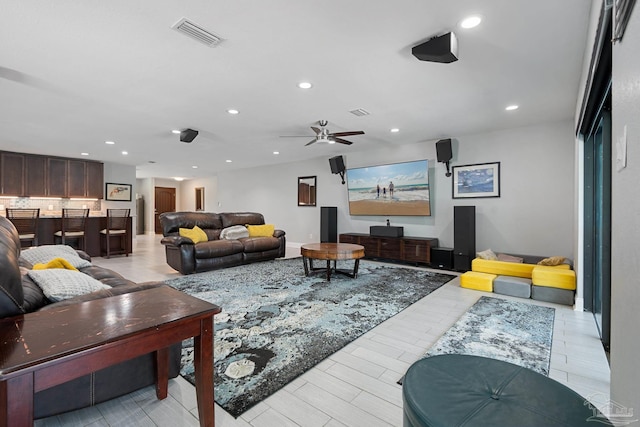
x: 355, y: 386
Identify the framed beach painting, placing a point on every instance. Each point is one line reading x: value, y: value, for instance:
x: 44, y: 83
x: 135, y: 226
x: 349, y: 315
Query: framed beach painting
x: 479, y: 180
x: 118, y: 192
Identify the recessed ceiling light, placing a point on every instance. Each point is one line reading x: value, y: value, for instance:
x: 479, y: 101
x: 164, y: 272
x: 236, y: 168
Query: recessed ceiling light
x: 109, y: 142
x: 124, y: 153
x: 276, y: 152
x: 470, y: 22
x: 176, y: 131
x: 84, y: 154
x: 305, y: 85
x: 232, y: 111
x: 228, y: 161
x: 511, y: 107
x: 194, y: 167
x: 394, y: 130
x: 178, y: 178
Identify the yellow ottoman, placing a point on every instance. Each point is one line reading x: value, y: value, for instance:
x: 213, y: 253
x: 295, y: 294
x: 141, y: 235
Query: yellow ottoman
x: 477, y: 281
x: 554, y: 277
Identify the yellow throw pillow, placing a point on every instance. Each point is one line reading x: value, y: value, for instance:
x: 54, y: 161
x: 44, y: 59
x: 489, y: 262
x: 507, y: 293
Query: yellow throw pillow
x: 554, y: 260
x: 55, y: 263
x: 265, y: 230
x: 196, y: 234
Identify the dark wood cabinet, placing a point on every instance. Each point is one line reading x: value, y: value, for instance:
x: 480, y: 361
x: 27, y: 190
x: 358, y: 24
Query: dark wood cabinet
x: 12, y: 174
x: 56, y: 177
x: 95, y: 180
x: 33, y: 175
x: 36, y: 176
x: 415, y: 250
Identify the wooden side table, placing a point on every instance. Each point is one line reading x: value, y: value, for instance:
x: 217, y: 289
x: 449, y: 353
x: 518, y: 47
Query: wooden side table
x: 46, y: 348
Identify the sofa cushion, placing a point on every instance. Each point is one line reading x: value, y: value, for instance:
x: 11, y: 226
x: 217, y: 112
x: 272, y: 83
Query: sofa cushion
x: 241, y: 218
x: 554, y: 260
x: 217, y: 248
x: 172, y: 221
x: 60, y: 284
x: 265, y: 230
x: 487, y: 254
x: 195, y: 234
x: 509, y: 258
x: 44, y: 254
x: 234, y: 232
x: 259, y: 244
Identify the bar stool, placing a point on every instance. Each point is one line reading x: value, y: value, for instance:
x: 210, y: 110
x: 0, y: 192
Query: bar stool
x: 116, y: 226
x: 26, y: 222
x: 73, y: 226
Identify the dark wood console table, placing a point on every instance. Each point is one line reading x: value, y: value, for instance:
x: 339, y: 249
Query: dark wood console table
x: 404, y: 249
x: 49, y: 347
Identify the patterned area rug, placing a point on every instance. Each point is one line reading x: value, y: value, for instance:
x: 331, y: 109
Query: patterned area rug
x: 511, y: 331
x: 276, y: 323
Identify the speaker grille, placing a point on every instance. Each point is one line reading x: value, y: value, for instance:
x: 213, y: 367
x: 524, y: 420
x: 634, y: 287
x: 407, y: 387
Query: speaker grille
x: 196, y: 32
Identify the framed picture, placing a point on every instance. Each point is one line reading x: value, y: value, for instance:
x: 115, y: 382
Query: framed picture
x: 118, y: 192
x: 472, y: 181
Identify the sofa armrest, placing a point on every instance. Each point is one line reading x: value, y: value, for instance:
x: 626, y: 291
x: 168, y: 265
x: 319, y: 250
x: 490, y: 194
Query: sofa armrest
x: 278, y: 233
x: 176, y: 241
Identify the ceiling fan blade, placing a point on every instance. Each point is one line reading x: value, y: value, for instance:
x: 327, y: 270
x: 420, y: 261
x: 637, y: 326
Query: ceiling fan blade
x: 355, y: 132
x: 316, y: 130
x: 342, y: 141
x: 309, y: 143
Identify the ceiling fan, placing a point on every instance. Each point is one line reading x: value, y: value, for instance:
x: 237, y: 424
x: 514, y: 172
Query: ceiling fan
x: 323, y: 135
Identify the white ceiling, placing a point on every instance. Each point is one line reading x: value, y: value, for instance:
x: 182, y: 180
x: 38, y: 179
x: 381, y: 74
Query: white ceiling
x: 75, y: 74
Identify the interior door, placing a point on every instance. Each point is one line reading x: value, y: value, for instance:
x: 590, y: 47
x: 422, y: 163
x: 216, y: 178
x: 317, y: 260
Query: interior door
x: 165, y: 202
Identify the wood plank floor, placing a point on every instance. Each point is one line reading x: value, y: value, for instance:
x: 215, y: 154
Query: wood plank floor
x: 355, y: 386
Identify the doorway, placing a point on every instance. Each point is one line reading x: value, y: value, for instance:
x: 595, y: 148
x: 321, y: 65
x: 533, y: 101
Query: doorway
x: 165, y: 201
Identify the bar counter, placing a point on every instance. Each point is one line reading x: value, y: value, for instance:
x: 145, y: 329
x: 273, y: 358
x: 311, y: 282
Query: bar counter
x: 49, y: 224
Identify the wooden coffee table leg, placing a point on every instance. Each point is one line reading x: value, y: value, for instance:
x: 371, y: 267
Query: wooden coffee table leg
x: 162, y: 373
x: 203, y: 364
x: 328, y: 270
x: 306, y: 267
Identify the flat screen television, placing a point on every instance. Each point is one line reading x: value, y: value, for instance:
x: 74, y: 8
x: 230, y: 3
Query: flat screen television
x: 391, y: 189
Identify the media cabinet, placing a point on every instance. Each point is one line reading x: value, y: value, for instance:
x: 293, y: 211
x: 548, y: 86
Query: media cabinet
x: 403, y: 249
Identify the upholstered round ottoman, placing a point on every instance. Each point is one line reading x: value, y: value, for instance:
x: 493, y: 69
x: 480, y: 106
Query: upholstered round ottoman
x: 462, y: 390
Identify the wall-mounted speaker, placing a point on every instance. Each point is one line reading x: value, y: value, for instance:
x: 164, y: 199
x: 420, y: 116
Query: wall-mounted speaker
x: 337, y: 164
x: 188, y: 135
x: 443, y: 48
x: 443, y: 150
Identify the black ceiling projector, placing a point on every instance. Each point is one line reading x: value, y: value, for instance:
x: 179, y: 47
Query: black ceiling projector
x: 188, y: 135
x: 442, y: 48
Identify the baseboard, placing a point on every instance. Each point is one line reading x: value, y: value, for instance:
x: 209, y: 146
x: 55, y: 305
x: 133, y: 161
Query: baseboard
x: 579, y: 304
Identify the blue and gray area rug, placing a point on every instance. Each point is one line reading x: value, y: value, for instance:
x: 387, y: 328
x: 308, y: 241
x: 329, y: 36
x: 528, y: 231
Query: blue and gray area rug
x: 276, y: 323
x: 507, y: 330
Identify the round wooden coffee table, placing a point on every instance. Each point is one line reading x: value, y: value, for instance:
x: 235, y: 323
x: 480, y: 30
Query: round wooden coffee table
x: 331, y: 252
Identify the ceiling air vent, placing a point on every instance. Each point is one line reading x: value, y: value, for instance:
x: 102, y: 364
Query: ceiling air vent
x: 359, y: 112
x: 196, y: 32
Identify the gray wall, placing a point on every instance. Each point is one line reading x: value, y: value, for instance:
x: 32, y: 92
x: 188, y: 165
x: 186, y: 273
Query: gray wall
x: 534, y: 214
x: 625, y: 292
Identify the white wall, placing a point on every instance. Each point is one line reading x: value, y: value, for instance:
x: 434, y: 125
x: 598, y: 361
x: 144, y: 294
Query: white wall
x: 625, y: 229
x: 187, y: 200
x: 534, y: 214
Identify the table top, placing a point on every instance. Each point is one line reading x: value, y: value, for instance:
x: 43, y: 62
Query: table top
x: 331, y: 251
x: 45, y: 335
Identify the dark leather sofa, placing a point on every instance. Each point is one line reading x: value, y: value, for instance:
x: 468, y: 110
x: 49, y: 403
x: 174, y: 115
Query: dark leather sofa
x: 187, y: 257
x: 19, y: 296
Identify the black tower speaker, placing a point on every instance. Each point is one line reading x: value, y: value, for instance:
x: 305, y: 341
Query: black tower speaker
x: 188, y: 135
x: 328, y: 224
x: 443, y: 150
x: 464, y: 237
x: 443, y: 48
x: 337, y: 164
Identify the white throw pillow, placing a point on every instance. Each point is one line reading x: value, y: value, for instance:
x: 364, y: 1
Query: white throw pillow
x: 59, y: 284
x: 234, y: 232
x: 44, y: 254
x: 487, y: 254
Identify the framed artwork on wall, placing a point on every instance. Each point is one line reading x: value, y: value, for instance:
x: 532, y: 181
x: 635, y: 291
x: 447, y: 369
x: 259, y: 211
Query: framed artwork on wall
x: 479, y: 180
x: 118, y: 192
